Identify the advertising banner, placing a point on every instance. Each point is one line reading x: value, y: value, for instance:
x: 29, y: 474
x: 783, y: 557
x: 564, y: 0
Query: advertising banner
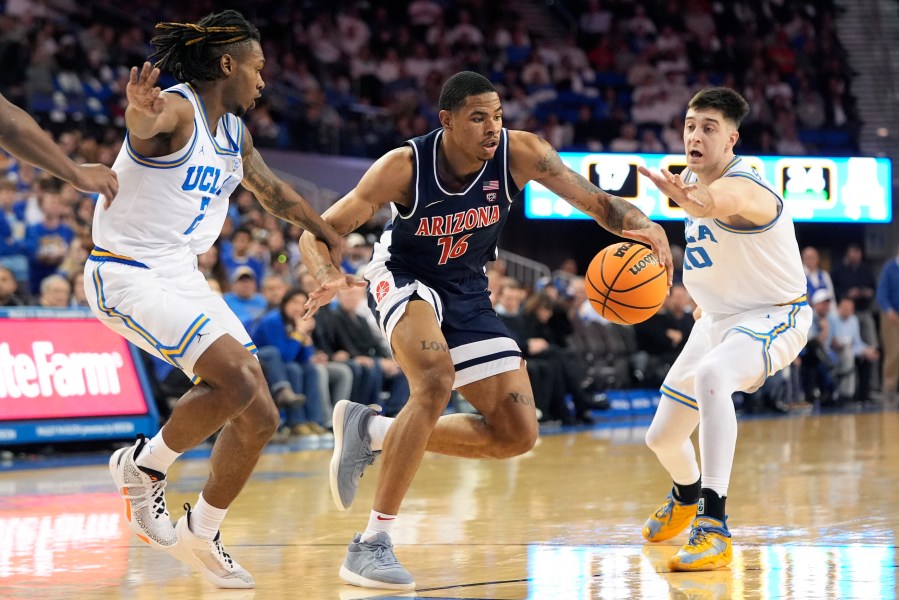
x: 67, y: 376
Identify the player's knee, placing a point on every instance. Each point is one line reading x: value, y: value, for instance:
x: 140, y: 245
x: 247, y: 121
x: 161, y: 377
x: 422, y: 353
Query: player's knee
x: 516, y: 444
x: 709, y: 378
x: 656, y: 441
x: 433, y: 386
x: 244, y: 383
x: 269, y: 419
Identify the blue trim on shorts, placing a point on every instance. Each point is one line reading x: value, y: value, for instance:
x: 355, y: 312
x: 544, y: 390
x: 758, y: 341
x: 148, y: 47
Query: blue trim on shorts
x: 679, y: 397
x: 167, y: 353
x: 100, y: 255
x: 767, y: 337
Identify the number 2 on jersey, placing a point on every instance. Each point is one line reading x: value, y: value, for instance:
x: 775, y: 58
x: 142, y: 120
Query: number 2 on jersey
x: 450, y: 249
x: 204, y: 204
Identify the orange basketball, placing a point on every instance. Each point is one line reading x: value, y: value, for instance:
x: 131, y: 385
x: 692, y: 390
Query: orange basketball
x: 626, y: 283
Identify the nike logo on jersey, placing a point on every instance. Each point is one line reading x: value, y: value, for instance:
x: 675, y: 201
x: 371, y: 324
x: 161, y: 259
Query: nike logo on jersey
x: 430, y: 204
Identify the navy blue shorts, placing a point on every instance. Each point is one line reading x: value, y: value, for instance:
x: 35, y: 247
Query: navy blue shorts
x: 479, y: 343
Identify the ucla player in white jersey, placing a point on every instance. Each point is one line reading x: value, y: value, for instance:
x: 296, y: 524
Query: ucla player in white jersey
x: 742, y: 267
x: 449, y: 193
x: 185, y: 151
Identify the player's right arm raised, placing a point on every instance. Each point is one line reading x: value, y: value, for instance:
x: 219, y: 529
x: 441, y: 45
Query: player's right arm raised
x: 150, y: 112
x: 389, y: 179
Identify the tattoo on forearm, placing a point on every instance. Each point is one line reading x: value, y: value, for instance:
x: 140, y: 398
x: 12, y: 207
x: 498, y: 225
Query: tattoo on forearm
x: 322, y: 270
x: 519, y: 398
x: 615, y: 213
x: 435, y: 346
x: 269, y: 190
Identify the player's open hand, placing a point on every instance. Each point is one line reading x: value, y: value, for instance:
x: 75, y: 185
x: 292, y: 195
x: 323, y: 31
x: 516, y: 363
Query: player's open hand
x: 654, y: 236
x: 689, y: 196
x: 96, y: 178
x: 143, y: 93
x: 328, y: 289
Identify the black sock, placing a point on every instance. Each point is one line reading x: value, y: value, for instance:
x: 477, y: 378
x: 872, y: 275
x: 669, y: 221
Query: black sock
x: 686, y: 494
x: 711, y: 504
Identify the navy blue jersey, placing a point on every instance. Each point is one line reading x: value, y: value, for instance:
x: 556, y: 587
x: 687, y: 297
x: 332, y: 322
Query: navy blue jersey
x: 448, y: 236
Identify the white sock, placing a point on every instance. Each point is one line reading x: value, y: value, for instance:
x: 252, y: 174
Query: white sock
x: 378, y: 523
x: 205, y: 519
x: 156, y: 455
x: 377, y: 429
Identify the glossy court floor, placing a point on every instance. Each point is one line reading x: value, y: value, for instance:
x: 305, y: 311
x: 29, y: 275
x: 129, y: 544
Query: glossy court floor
x: 814, y: 511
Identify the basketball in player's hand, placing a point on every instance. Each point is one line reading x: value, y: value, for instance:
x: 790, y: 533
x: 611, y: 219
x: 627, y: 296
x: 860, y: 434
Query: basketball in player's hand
x: 626, y: 283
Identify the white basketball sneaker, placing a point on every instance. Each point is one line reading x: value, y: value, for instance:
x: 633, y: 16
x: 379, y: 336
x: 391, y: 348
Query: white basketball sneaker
x: 143, y: 491
x: 209, y: 557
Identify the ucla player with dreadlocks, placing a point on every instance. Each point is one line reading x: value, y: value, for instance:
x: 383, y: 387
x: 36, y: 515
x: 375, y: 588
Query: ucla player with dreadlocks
x: 185, y: 152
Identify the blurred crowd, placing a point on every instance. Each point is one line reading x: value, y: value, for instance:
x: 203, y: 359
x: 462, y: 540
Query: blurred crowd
x: 357, y: 79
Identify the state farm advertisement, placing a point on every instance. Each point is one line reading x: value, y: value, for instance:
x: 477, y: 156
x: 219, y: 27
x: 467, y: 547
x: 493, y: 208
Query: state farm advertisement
x: 62, y: 368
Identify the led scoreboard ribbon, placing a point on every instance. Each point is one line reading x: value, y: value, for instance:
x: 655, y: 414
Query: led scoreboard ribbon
x: 819, y: 189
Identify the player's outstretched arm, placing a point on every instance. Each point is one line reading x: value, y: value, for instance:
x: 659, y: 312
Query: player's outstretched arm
x: 389, y: 179
x: 532, y: 158
x: 22, y: 137
x: 283, y: 201
x: 726, y: 197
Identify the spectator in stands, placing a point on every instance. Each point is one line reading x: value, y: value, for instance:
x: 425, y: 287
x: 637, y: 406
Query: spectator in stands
x: 356, y: 253
x: 284, y: 340
x: 241, y: 252
x: 853, y: 278
x: 888, y: 299
x: 549, y: 397
x: 8, y: 288
x: 347, y: 337
x: 76, y: 282
x: 854, y: 358
x: 627, y: 141
x: 55, y: 292
x: 12, y: 232
x: 816, y: 277
x: 662, y: 337
x: 543, y: 343
x: 818, y: 360
x: 210, y: 265
x: 47, y: 243
x: 274, y: 288
x: 243, y: 299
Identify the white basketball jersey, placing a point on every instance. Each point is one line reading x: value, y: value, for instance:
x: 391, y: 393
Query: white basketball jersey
x: 730, y: 270
x: 171, y: 208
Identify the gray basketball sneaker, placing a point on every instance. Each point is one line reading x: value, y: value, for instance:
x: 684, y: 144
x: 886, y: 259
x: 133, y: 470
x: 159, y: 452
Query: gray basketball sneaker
x: 374, y: 565
x: 352, y: 450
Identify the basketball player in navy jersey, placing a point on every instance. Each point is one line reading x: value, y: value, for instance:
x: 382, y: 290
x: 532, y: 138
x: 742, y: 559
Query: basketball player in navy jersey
x: 22, y: 137
x: 450, y: 193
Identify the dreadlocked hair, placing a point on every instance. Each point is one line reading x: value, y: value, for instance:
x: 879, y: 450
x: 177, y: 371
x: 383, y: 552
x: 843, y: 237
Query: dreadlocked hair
x: 190, y: 51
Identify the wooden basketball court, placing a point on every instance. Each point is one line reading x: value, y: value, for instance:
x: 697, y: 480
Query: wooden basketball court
x: 814, y: 511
